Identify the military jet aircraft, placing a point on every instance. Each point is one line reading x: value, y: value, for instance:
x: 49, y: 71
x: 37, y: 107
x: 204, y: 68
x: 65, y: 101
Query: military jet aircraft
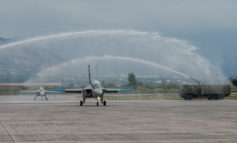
x: 40, y: 92
x: 92, y: 90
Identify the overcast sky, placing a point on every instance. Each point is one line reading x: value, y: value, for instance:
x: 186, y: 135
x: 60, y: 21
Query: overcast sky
x: 202, y: 22
x: 27, y: 17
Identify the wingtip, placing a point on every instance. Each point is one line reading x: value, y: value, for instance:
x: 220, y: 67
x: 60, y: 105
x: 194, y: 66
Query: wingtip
x: 126, y: 90
x: 59, y: 90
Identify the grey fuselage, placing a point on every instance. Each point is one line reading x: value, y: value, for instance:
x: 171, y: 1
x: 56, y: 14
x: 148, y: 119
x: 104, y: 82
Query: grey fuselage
x: 93, y: 92
x: 41, y: 92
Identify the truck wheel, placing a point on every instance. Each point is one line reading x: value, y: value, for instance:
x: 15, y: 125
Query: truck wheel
x: 195, y: 96
x: 220, y: 96
x: 210, y: 97
x: 227, y: 95
x: 188, y: 97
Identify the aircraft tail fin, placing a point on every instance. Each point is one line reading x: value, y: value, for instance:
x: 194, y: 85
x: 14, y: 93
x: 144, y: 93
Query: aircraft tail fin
x: 89, y: 72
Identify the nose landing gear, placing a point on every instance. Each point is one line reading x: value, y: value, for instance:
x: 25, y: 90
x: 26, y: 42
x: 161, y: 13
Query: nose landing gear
x: 99, y: 99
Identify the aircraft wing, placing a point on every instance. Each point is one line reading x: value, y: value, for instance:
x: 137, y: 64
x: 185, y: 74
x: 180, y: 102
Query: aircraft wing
x: 110, y: 90
x: 69, y: 90
x: 53, y: 91
x: 31, y: 92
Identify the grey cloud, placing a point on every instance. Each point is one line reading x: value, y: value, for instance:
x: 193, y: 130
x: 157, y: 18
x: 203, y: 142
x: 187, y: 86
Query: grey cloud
x: 39, y: 17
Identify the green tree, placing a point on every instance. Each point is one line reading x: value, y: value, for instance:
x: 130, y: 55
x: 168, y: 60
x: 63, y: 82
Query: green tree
x: 234, y: 81
x: 132, y: 79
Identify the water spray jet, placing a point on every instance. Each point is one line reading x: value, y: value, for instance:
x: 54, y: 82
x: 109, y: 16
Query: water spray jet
x: 150, y: 46
x: 87, y: 60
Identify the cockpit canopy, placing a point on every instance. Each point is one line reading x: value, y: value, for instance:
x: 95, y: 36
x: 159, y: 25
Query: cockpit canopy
x: 41, y: 89
x: 96, y: 84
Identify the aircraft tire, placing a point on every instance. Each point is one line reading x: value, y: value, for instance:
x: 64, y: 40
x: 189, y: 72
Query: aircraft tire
x: 97, y: 103
x: 104, y: 103
x: 81, y: 103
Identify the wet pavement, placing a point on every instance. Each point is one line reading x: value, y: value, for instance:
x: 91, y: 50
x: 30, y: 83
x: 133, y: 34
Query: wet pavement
x: 62, y: 120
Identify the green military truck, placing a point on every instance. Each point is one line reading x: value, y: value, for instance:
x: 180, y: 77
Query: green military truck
x: 188, y: 92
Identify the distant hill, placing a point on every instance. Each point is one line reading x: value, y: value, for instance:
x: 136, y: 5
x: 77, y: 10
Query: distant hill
x: 18, y: 64
x: 3, y: 40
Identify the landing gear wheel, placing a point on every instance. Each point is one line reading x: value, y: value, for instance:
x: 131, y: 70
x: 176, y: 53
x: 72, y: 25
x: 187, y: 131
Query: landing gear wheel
x: 81, y: 103
x: 97, y: 103
x: 104, y: 103
x: 34, y: 98
x: 46, y: 99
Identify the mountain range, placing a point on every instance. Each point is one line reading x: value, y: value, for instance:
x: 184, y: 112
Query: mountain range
x: 17, y: 65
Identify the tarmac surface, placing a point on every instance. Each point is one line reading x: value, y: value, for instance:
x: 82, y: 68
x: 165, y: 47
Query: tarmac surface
x: 62, y: 120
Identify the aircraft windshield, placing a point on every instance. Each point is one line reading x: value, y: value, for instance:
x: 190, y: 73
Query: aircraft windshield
x: 96, y: 84
x: 41, y: 89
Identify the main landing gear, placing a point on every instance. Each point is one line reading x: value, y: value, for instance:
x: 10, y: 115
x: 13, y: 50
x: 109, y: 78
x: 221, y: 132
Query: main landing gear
x: 103, y: 102
x: 97, y: 103
x: 82, y: 102
x: 46, y: 98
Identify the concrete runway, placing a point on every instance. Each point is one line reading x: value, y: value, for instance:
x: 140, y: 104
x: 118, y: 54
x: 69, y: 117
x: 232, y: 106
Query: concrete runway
x: 62, y: 120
